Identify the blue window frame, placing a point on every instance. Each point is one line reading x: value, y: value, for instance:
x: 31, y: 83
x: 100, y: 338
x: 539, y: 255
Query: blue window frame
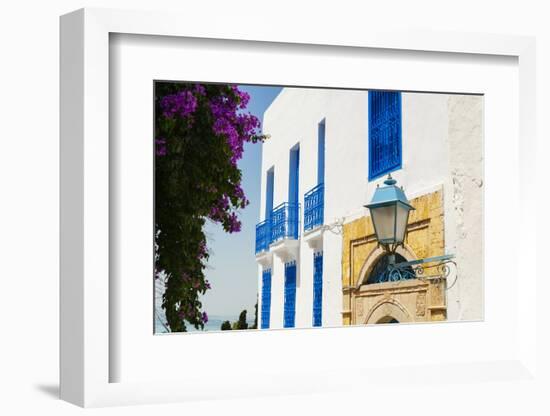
x: 266, y: 298
x: 269, y: 185
x: 318, y: 288
x: 321, y: 152
x: 290, y: 295
x: 263, y: 229
x: 314, y: 201
x: 294, y: 175
x: 385, y: 153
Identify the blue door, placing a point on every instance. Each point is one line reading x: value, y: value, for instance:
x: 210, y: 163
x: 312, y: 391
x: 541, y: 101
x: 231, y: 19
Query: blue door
x: 293, y: 191
x: 318, y: 288
x: 266, y: 298
x: 290, y: 295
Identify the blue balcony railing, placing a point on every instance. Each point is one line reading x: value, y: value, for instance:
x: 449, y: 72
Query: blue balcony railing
x: 263, y: 236
x: 314, y: 207
x: 285, y: 221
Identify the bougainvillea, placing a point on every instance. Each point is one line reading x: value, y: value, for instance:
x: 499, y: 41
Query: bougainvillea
x: 200, y: 132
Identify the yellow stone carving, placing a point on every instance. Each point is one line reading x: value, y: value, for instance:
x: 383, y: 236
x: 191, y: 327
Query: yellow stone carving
x: 413, y: 300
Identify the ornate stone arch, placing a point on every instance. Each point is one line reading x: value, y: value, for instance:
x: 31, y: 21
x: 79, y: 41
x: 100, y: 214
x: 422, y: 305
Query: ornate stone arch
x: 388, y: 308
x: 373, y: 257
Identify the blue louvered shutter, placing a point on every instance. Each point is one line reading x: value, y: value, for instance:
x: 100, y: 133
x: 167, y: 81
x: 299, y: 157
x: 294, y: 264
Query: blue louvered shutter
x: 266, y: 298
x: 385, y: 153
x: 318, y: 288
x: 290, y: 295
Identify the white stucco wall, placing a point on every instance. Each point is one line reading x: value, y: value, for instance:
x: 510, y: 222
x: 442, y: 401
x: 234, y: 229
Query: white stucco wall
x: 464, y: 202
x: 433, y: 127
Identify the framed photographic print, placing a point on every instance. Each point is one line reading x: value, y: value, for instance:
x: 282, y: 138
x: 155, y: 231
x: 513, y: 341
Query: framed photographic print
x: 271, y: 182
x: 314, y: 207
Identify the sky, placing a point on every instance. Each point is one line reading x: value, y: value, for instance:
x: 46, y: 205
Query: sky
x: 232, y: 268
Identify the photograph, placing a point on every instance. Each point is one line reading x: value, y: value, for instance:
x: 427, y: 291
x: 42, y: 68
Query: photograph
x: 279, y: 207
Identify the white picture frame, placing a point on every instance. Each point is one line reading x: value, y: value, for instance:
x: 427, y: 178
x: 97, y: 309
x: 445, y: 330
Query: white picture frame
x: 86, y: 356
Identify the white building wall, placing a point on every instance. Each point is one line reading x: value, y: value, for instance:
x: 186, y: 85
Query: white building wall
x: 277, y: 293
x: 464, y: 207
x: 293, y: 118
x: 332, y: 280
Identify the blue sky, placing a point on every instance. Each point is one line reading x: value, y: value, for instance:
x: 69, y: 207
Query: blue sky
x: 232, y: 268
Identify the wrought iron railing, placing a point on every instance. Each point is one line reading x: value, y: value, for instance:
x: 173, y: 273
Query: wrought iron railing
x: 434, y: 268
x: 314, y: 206
x: 285, y: 219
x: 263, y: 236
x: 283, y: 223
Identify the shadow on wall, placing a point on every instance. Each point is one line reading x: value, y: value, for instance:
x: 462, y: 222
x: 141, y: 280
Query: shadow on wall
x: 51, y: 390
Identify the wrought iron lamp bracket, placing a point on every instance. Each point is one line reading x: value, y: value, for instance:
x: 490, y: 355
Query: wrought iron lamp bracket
x: 390, y: 248
x: 416, y: 269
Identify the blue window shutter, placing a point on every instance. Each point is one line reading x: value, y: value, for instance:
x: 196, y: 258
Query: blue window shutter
x: 385, y: 153
x: 321, y: 153
x: 266, y: 298
x: 294, y: 175
x: 318, y: 288
x: 270, y: 179
x: 290, y: 295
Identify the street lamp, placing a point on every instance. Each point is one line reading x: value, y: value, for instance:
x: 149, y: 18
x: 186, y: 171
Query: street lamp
x: 389, y: 210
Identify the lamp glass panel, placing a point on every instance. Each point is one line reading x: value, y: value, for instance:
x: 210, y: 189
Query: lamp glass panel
x: 384, y: 223
x: 402, y: 216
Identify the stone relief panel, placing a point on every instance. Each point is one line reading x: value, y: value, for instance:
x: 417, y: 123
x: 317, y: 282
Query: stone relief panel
x: 359, y: 308
x: 421, y: 304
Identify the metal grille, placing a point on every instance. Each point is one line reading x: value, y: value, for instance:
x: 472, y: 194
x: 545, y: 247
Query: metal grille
x: 314, y: 203
x: 382, y: 273
x: 384, y: 132
x: 263, y: 236
x: 290, y: 295
x: 266, y: 298
x: 285, y: 221
x: 318, y: 288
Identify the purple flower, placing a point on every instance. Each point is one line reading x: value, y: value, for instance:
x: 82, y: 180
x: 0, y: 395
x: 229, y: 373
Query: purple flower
x: 236, y: 127
x: 186, y: 312
x: 239, y: 193
x: 234, y: 223
x: 230, y: 123
x: 161, y: 149
x: 199, y: 89
x: 219, y: 208
x: 204, y: 317
x: 202, y: 250
x: 182, y: 104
